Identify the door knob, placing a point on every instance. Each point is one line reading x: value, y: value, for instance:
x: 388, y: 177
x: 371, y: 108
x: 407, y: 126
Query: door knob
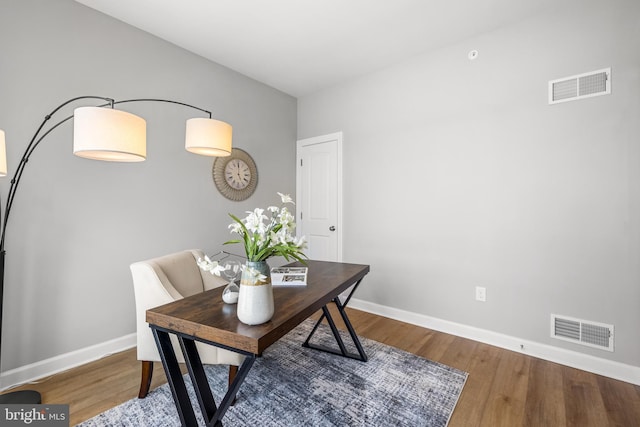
x: 332, y: 228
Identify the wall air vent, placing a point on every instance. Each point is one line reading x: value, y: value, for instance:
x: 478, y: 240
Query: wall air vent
x: 580, y: 86
x: 592, y: 334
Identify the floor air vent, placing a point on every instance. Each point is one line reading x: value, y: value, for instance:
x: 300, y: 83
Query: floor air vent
x: 580, y: 86
x: 592, y: 334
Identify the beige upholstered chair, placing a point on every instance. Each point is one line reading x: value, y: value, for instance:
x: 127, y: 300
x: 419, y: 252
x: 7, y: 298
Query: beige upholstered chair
x: 160, y: 281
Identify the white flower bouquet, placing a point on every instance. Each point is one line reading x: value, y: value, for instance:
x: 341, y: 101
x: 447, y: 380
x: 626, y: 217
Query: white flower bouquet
x: 266, y: 236
x: 263, y: 237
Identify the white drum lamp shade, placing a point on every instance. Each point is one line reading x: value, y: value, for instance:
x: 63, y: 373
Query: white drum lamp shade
x: 208, y: 137
x: 3, y: 155
x: 106, y: 134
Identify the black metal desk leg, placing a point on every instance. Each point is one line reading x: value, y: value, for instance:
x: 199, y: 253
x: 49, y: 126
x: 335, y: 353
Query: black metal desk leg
x: 210, y: 412
x: 352, y: 332
x: 174, y: 377
x: 233, y: 390
x: 198, y: 377
x: 334, y: 330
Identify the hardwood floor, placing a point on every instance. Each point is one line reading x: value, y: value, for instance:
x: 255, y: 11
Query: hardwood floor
x: 504, y: 388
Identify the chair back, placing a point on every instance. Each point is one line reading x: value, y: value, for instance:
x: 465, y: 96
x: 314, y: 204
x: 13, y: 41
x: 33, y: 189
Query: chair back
x: 165, y: 279
x: 181, y: 271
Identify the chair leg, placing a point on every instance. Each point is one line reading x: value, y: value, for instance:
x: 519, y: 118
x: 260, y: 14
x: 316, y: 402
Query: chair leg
x: 233, y: 370
x: 145, y: 382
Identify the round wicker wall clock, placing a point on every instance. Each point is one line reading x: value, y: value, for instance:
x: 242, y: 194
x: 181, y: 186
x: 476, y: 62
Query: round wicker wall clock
x: 235, y: 176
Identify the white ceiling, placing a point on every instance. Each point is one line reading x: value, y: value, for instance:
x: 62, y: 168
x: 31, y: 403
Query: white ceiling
x: 301, y: 46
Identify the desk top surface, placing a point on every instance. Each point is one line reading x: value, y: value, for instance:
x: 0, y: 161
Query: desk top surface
x: 206, y: 317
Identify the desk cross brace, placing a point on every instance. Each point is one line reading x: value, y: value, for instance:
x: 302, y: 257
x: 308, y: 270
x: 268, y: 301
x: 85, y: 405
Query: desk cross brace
x: 362, y: 356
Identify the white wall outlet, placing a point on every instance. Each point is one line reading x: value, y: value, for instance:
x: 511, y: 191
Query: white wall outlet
x: 481, y: 293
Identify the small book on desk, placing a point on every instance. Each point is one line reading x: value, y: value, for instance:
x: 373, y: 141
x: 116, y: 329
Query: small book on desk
x: 289, y: 276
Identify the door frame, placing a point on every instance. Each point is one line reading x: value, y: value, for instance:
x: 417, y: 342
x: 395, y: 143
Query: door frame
x: 337, y: 136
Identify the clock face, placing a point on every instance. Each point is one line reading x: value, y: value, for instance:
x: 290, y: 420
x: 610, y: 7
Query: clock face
x: 237, y: 174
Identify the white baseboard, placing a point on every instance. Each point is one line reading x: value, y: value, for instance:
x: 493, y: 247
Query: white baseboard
x: 63, y: 362
x: 596, y: 365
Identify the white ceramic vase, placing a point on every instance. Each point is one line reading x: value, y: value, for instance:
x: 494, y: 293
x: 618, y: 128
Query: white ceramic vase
x: 255, y: 301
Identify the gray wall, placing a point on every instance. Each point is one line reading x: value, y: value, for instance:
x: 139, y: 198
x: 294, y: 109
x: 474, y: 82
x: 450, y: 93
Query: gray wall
x: 77, y: 224
x: 479, y: 182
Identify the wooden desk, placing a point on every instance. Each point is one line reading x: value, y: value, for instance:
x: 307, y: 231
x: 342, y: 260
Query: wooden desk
x: 204, y: 317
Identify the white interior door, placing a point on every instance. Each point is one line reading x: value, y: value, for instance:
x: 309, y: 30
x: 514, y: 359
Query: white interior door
x: 319, y: 195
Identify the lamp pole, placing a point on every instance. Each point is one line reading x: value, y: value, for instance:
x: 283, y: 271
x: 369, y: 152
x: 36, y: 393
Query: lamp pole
x: 32, y: 396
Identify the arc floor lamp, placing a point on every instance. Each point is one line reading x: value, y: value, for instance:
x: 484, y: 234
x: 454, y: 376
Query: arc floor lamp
x: 101, y: 132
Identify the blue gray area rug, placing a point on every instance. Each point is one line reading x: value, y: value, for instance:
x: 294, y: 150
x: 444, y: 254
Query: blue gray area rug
x: 293, y: 386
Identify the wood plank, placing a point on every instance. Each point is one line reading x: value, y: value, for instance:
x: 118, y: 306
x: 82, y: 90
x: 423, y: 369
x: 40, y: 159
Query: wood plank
x: 436, y: 346
x: 414, y: 338
x: 391, y: 333
x: 621, y: 401
x: 545, y: 397
x: 584, y: 404
x: 506, y: 403
x: 459, y: 353
x: 482, y: 369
